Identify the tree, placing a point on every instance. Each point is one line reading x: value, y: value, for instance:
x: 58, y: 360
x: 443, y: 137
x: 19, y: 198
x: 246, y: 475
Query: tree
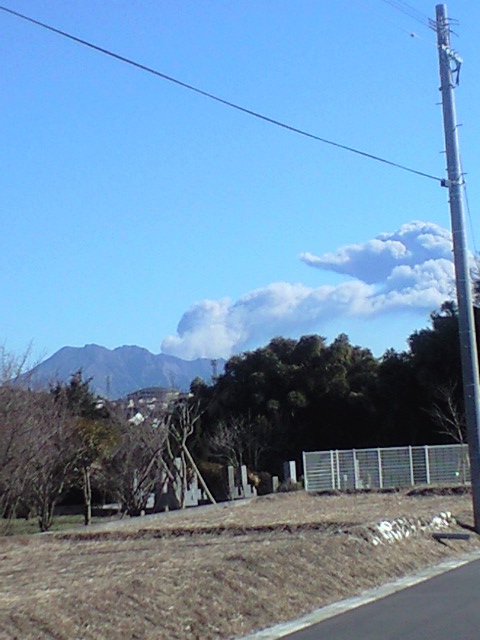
x: 307, y: 395
x: 94, y: 426
x: 436, y: 364
x: 435, y: 351
x: 18, y: 409
x: 397, y: 398
x: 53, y: 458
x: 184, y: 417
x: 239, y: 440
x: 447, y: 414
x: 292, y: 395
x: 137, y: 465
x: 16, y: 452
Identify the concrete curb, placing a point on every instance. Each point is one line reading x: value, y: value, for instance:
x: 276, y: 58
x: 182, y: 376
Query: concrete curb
x: 284, y: 629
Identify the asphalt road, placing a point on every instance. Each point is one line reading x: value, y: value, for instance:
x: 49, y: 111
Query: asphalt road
x: 446, y: 607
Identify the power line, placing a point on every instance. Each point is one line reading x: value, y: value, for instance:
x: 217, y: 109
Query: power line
x: 467, y: 202
x: 411, y: 12
x: 379, y: 14
x: 469, y: 213
x: 206, y: 94
x: 421, y: 16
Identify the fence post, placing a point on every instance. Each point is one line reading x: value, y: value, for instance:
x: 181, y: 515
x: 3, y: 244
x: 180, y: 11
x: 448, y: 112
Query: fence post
x: 332, y: 468
x: 412, y: 474
x: 427, y: 463
x: 380, y: 470
x: 305, y: 474
x: 339, y: 479
x: 355, y: 468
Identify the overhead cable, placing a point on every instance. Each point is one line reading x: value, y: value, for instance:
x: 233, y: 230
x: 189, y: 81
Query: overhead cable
x: 470, y: 220
x: 206, y: 94
x: 411, y: 12
x: 380, y: 14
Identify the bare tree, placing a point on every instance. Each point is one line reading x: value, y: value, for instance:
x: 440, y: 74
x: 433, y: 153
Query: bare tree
x: 240, y: 440
x: 451, y: 421
x: 14, y: 368
x: 38, y: 444
x: 151, y: 453
x: 137, y: 463
x: 449, y: 417
x: 228, y: 441
x: 37, y: 453
x: 184, y: 415
x: 53, y: 458
x: 16, y: 428
x: 17, y: 432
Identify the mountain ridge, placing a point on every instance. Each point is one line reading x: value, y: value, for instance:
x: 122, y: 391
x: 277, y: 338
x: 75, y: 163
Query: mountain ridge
x: 117, y: 372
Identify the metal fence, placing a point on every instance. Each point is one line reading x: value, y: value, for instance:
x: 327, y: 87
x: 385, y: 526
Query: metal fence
x: 393, y: 467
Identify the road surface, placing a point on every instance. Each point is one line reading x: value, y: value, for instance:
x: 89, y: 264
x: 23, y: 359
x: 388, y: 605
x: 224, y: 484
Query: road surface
x: 446, y: 607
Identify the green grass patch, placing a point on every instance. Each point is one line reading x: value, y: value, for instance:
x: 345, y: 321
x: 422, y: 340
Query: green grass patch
x: 21, y: 526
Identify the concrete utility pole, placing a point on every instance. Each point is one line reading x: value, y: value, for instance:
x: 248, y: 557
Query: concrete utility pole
x: 450, y: 64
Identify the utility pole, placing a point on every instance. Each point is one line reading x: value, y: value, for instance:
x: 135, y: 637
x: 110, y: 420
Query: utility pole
x: 450, y: 63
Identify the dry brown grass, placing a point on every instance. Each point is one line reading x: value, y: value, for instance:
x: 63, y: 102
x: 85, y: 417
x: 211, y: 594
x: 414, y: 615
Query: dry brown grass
x: 210, y: 573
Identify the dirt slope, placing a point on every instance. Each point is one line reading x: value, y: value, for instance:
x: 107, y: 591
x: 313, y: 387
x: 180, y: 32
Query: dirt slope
x: 217, y: 572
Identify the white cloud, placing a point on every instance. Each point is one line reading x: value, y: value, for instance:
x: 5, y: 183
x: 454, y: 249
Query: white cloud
x: 212, y: 329
x: 206, y: 330
x: 410, y: 269
x: 374, y: 260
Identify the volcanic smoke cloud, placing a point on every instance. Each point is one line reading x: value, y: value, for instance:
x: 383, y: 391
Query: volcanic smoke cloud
x: 408, y: 270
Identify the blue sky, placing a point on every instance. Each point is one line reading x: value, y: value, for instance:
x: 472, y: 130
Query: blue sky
x: 136, y: 212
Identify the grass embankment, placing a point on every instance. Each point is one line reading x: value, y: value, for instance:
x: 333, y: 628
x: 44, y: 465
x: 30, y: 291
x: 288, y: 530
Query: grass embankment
x: 215, y: 572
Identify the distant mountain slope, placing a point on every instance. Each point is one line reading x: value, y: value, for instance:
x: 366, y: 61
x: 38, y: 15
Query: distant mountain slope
x: 122, y: 370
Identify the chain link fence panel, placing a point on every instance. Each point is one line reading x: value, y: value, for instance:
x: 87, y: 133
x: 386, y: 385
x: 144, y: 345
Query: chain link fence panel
x: 384, y: 468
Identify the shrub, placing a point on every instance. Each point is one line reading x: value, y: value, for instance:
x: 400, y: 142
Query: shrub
x: 289, y: 485
x: 264, y: 485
